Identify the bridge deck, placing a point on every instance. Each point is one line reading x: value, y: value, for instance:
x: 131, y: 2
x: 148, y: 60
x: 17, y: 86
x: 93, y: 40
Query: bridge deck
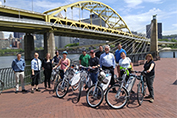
x: 46, y: 104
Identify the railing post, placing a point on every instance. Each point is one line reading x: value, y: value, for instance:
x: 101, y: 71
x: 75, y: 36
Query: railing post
x: 173, y: 54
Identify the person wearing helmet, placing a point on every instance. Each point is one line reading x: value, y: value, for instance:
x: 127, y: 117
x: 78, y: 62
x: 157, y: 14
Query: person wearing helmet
x: 64, y: 64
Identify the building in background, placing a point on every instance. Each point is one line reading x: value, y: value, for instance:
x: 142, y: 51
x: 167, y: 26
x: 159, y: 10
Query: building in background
x: 39, y: 40
x: 1, y: 35
x: 4, y: 43
x: 96, y: 21
x: 62, y: 41
x: 19, y: 35
x: 148, y: 31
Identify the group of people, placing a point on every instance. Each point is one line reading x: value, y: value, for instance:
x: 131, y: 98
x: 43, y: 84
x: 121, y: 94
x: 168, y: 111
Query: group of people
x: 103, y: 58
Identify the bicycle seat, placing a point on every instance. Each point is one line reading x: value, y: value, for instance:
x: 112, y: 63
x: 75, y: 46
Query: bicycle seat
x: 105, y: 81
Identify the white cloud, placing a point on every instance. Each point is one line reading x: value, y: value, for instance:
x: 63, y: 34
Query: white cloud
x: 169, y: 32
x: 138, y: 21
x: 175, y: 25
x: 135, y: 3
x: 0, y: 3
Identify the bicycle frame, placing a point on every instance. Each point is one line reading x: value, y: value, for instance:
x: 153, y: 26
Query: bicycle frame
x: 122, y: 84
x: 85, y: 78
x: 102, y: 85
x: 142, y: 81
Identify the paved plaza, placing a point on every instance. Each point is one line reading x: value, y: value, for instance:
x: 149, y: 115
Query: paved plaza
x: 45, y: 104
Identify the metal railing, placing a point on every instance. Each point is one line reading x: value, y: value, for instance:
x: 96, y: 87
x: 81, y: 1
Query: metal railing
x: 139, y: 59
x: 7, y: 76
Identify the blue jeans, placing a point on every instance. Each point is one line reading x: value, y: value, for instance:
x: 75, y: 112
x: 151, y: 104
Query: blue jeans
x: 94, y: 77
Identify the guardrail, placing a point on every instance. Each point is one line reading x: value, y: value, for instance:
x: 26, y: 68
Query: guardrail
x: 139, y: 59
x: 136, y: 59
x: 7, y: 76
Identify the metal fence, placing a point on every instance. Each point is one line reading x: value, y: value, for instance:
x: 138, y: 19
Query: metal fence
x: 139, y: 59
x: 7, y: 76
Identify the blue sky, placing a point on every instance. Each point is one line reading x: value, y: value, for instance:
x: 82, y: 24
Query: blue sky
x: 136, y: 13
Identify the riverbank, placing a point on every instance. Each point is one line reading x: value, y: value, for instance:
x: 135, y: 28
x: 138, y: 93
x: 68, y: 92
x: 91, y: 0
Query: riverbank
x: 10, y: 52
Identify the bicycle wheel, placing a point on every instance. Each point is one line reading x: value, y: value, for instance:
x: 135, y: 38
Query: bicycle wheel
x: 140, y: 93
x: 1, y: 86
x: 94, y: 96
x: 62, y: 88
x: 80, y: 90
x: 56, y: 81
x: 116, y: 100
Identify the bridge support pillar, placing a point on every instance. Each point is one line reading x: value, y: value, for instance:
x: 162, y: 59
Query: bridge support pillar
x: 154, y: 36
x: 49, y: 43
x: 28, y: 46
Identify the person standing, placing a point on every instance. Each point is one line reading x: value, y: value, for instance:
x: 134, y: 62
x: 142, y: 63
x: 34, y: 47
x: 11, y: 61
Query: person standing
x: 18, y: 66
x: 84, y: 59
x: 107, y: 61
x: 118, y: 56
x: 47, y: 67
x: 64, y: 64
x: 56, y: 58
x: 94, y: 63
x: 101, y: 51
x: 35, y: 67
x: 149, y: 66
x: 125, y: 62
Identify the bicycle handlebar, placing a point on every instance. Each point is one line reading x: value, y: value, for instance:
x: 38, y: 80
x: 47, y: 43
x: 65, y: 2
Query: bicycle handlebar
x: 140, y: 72
x: 83, y: 67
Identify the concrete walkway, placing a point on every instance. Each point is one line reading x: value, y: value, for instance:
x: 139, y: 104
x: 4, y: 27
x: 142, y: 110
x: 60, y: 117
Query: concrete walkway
x: 46, y: 104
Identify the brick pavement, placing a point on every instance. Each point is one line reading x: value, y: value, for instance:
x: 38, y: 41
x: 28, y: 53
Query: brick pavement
x: 46, y: 104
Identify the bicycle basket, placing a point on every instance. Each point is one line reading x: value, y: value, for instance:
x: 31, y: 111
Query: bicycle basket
x: 101, y: 76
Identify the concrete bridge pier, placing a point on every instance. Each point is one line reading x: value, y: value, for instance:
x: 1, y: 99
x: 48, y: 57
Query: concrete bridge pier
x: 28, y: 46
x: 154, y: 36
x: 49, y: 43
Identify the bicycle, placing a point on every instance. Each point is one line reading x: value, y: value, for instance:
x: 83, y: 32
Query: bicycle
x: 141, y: 86
x: 84, y: 79
x: 121, y: 97
x: 1, y: 86
x: 55, y: 77
x: 96, y: 92
x: 63, y: 84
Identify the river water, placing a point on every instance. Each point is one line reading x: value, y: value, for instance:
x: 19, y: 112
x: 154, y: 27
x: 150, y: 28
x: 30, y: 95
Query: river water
x: 5, y: 61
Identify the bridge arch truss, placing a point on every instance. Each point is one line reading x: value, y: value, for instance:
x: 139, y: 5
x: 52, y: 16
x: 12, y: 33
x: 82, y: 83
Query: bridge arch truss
x: 113, y: 21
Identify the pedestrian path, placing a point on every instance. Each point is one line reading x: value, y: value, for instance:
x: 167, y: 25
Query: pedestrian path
x: 46, y: 104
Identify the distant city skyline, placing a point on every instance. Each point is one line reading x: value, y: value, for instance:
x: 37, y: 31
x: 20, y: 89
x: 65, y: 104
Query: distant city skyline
x: 136, y: 13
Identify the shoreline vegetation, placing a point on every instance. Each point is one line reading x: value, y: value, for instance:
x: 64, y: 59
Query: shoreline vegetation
x: 12, y: 52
